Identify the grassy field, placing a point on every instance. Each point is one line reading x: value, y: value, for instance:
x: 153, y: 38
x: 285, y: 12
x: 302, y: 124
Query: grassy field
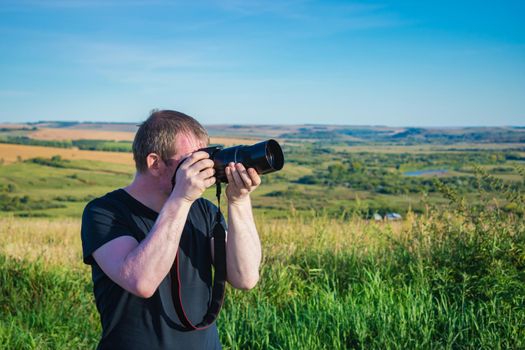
x: 314, y: 178
x: 13, y: 153
x: 450, y: 275
x: 78, y: 134
x: 443, y: 281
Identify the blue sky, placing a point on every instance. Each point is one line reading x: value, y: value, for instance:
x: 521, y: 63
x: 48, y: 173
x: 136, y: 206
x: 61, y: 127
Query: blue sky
x: 406, y: 63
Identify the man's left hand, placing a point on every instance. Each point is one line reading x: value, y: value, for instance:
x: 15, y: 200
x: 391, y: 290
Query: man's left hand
x: 241, y: 182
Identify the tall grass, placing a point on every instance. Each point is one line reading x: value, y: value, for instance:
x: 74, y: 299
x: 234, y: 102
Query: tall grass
x: 453, y: 279
x: 45, y: 307
x: 443, y: 280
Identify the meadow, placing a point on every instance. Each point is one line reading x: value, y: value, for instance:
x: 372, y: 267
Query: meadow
x: 450, y: 275
x: 442, y: 281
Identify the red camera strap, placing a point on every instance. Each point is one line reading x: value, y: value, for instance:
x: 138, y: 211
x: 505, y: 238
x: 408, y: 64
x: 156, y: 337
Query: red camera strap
x: 219, y: 279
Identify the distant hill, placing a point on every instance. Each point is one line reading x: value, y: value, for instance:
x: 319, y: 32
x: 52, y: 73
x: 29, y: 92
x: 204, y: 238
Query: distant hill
x: 333, y: 134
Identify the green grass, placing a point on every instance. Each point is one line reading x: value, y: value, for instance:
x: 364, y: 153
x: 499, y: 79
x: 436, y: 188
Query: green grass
x: 45, y: 308
x: 77, y: 181
x: 448, y: 280
x: 452, y: 277
x: 56, y: 179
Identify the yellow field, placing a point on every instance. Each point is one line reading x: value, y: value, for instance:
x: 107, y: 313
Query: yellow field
x: 12, y: 126
x: 52, y: 241
x: 226, y: 141
x: 78, y: 134
x: 57, y: 241
x: 74, y: 134
x: 12, y: 153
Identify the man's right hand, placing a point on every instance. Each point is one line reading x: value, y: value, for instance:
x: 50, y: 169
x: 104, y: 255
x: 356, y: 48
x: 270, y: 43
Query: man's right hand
x: 193, y: 177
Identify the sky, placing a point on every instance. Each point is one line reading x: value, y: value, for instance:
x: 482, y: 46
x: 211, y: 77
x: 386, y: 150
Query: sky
x: 395, y: 63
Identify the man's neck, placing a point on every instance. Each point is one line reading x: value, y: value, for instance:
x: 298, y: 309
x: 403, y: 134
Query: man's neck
x: 146, y: 192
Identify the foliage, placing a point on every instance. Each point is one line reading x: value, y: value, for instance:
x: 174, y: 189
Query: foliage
x: 45, y: 308
x: 385, y: 173
x: 55, y: 161
x: 25, y: 203
x: 407, y: 136
x: 451, y: 278
x: 24, y: 140
x: 103, y: 145
x: 451, y: 275
x: 93, y: 145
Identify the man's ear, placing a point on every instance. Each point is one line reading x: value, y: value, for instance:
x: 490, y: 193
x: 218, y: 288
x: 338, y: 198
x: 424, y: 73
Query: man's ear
x: 154, y: 163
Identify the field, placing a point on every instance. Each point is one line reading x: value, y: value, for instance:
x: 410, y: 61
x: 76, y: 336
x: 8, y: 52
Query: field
x: 450, y: 274
x: 15, y: 153
x: 425, y: 283
x: 76, y: 134
x: 80, y: 134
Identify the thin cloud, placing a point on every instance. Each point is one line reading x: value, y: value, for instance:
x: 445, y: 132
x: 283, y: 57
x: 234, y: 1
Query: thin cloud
x: 287, y: 9
x: 72, y: 4
x: 304, y: 19
x: 141, y: 63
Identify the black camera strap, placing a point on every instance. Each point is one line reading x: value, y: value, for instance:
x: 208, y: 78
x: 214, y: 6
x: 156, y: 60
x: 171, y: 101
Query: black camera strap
x: 219, y: 279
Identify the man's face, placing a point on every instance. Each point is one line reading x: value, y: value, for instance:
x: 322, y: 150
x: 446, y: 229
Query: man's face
x: 185, y: 144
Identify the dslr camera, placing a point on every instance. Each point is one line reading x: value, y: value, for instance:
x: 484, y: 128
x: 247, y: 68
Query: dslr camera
x: 265, y: 157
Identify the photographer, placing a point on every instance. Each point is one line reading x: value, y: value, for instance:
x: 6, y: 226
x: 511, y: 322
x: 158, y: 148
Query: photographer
x: 131, y: 237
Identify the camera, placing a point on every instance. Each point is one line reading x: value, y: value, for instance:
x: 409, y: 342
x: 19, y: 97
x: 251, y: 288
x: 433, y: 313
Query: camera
x: 265, y: 157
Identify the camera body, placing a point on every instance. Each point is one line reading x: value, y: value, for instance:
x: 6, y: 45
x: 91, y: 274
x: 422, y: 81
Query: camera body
x: 265, y: 157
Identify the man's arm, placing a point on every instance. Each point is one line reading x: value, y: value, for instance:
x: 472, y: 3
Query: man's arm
x: 140, y: 268
x: 243, y: 247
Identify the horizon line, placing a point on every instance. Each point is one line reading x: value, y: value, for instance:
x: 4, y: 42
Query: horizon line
x: 278, y: 124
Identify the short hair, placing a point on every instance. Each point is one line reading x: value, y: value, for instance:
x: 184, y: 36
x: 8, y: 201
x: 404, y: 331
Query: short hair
x: 158, y: 133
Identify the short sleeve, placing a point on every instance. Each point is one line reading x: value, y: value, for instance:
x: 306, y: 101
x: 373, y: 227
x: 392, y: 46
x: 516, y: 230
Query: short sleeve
x: 101, y: 223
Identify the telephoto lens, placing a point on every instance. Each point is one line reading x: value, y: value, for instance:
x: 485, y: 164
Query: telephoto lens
x: 265, y: 157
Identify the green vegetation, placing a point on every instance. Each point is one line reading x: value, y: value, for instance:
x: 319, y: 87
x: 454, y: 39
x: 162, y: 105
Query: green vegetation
x: 24, y: 140
x: 451, y: 279
x: 450, y: 275
x: 55, y: 186
x: 102, y: 145
x: 386, y: 173
x: 337, y: 179
x: 407, y: 136
x: 91, y: 145
x: 45, y: 308
x: 15, y: 203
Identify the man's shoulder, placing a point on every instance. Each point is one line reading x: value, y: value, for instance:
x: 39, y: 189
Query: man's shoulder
x: 104, y: 219
x: 111, y: 201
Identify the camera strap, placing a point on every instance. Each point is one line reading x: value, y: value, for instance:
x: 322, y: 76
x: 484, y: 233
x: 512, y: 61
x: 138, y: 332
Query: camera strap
x: 219, y: 279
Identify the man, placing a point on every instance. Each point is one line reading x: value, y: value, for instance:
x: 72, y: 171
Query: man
x: 131, y: 237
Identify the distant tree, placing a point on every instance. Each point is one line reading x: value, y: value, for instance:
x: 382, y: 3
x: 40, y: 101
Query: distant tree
x: 336, y: 172
x: 11, y: 188
x: 355, y: 166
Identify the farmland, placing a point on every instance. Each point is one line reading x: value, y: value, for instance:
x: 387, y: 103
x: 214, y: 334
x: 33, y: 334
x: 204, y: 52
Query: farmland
x: 15, y: 153
x: 450, y: 274
x: 368, y: 173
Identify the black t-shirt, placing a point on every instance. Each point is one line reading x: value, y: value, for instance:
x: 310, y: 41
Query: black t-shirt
x: 131, y: 322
